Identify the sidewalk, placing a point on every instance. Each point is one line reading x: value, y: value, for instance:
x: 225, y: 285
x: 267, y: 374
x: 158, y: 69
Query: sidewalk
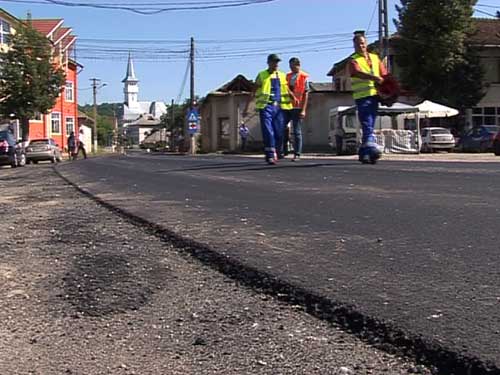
x: 434, y: 157
x: 86, y: 292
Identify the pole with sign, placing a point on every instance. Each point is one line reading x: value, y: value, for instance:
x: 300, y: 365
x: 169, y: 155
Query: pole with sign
x: 193, y: 120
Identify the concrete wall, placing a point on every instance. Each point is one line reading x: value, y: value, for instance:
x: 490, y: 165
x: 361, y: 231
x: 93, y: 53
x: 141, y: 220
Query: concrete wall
x: 219, y: 107
x: 221, y: 115
x: 317, y: 122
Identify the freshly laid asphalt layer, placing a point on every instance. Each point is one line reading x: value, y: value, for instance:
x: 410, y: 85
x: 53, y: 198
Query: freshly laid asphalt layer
x: 408, y: 249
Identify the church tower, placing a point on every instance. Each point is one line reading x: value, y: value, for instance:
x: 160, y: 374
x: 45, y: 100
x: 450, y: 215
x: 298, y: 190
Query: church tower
x: 131, y: 87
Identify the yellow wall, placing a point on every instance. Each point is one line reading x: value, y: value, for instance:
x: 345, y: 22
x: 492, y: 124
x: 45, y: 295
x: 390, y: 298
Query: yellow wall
x: 4, y: 16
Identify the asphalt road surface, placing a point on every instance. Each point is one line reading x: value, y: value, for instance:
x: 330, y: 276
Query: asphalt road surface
x: 412, y: 244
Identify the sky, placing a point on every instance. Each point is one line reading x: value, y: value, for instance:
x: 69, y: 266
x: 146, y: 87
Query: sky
x: 317, y: 31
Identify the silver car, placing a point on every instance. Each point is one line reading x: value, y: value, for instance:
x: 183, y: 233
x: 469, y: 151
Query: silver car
x: 43, y: 149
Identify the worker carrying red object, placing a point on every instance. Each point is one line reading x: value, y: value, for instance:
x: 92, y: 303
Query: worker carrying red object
x: 388, y: 91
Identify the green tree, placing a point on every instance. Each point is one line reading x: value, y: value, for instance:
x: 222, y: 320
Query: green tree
x: 436, y: 61
x: 29, y: 81
x: 105, y: 120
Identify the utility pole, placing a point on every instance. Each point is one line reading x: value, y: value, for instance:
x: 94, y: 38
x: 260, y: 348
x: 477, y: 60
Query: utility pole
x: 383, y: 31
x: 192, y: 98
x: 172, y: 124
x: 95, y: 83
x: 191, y: 59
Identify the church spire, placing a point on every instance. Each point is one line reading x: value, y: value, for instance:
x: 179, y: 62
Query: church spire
x: 130, y: 77
x: 130, y: 85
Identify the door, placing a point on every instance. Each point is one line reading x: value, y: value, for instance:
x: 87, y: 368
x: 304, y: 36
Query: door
x: 224, y: 134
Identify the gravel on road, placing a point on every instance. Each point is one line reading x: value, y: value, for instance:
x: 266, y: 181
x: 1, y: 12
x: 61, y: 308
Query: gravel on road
x: 85, y: 292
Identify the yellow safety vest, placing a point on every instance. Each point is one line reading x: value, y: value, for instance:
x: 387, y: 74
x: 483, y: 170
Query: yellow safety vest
x: 363, y: 88
x: 263, y: 94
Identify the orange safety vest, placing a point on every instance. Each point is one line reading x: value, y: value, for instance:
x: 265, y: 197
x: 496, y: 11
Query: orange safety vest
x: 299, y: 89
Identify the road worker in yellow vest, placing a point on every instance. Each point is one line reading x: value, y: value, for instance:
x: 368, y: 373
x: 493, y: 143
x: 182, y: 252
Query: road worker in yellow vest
x: 366, y: 70
x: 272, y: 97
x: 298, y: 84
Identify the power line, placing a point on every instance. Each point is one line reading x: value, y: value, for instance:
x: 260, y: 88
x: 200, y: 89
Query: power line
x: 373, y: 15
x: 149, y: 9
x: 184, y: 81
x: 488, y: 13
x: 225, y: 41
x: 488, y: 6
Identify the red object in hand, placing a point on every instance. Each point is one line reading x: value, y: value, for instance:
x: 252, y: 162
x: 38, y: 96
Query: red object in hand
x: 388, y: 90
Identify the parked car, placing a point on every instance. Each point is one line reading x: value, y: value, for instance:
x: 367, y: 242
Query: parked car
x: 43, y: 149
x: 435, y: 138
x: 479, y: 139
x: 11, y: 152
x: 496, y: 144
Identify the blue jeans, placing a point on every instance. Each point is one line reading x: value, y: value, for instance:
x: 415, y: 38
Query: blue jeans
x: 293, y: 115
x: 272, y: 125
x: 367, y: 114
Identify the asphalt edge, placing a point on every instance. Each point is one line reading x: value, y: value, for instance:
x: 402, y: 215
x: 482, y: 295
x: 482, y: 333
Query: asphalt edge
x: 380, y: 334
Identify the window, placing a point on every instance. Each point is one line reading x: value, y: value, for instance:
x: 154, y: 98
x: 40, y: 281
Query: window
x: 489, y: 111
x: 485, y: 116
x: 70, y: 125
x: 69, y: 91
x: 55, y: 122
x: 37, y: 117
x: 4, y: 32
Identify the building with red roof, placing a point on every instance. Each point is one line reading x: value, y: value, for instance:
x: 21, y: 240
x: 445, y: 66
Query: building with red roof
x: 63, y: 118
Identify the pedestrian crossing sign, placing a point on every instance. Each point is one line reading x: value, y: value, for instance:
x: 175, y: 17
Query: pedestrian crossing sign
x: 193, y: 120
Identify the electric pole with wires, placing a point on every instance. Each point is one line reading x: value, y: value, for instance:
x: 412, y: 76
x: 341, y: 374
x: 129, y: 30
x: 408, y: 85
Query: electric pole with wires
x: 383, y: 31
x: 191, y: 61
x: 193, y: 115
x: 96, y: 84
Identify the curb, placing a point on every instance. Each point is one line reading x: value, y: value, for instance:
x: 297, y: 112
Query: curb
x: 380, y: 334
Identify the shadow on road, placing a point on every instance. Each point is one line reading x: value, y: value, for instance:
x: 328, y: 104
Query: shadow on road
x: 239, y: 167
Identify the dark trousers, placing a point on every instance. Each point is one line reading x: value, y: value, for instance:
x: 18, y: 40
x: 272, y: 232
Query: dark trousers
x: 81, y: 147
x: 293, y: 116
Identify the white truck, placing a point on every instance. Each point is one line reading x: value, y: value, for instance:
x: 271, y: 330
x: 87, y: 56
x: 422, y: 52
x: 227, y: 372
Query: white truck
x: 390, y: 130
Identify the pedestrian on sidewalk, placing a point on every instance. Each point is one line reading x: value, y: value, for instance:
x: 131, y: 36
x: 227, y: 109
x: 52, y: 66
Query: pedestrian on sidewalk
x: 72, y: 150
x: 298, y: 84
x: 367, y: 71
x: 272, y: 97
x: 81, y: 145
x: 244, y: 133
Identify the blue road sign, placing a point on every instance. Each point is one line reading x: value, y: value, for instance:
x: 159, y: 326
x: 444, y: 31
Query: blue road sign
x: 193, y: 120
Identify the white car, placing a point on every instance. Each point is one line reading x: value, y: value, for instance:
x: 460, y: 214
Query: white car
x: 435, y: 138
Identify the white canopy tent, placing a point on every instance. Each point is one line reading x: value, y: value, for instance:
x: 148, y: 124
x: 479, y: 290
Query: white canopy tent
x: 428, y: 109
x: 397, y: 109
